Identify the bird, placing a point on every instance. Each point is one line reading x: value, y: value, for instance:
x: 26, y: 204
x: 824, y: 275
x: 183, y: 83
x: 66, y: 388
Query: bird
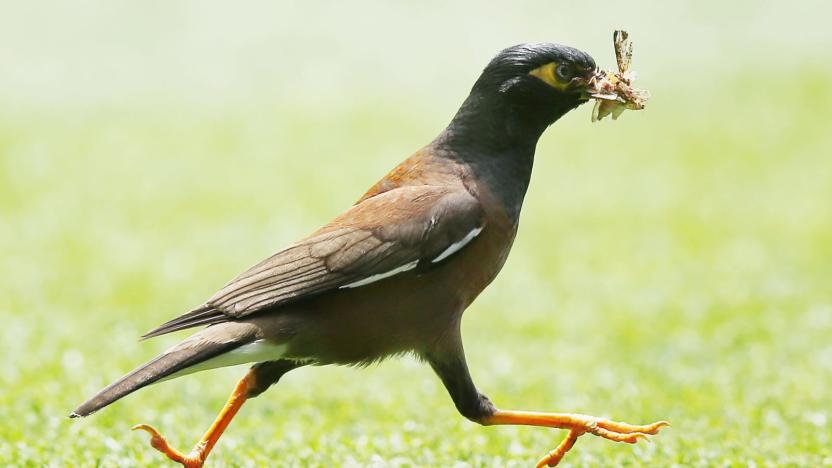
x: 394, y: 273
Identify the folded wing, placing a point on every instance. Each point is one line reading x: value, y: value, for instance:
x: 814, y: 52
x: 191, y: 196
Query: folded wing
x: 395, y: 231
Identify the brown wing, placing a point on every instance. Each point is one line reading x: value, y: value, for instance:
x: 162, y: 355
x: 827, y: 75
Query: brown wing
x: 377, y: 238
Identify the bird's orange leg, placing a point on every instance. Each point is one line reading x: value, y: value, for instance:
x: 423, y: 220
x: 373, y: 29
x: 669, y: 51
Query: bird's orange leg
x: 197, y: 455
x: 578, y: 424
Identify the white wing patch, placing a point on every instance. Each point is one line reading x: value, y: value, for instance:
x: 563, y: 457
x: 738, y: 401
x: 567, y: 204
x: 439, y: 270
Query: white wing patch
x: 454, y: 248
x: 381, y: 276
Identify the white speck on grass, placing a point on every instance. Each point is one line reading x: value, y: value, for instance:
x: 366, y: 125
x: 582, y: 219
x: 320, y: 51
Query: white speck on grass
x: 816, y: 418
x: 112, y: 444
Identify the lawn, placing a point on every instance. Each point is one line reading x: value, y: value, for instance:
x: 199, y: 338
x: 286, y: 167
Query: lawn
x: 676, y: 264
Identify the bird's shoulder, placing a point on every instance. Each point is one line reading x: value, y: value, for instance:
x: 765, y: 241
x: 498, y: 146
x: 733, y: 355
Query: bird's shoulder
x: 426, y: 167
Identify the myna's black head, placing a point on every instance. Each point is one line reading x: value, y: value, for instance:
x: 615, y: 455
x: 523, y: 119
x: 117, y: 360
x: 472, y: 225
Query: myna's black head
x: 524, y: 89
x: 540, y: 81
x: 538, y: 74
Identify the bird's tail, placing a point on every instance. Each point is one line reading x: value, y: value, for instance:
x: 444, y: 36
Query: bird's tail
x: 187, y: 356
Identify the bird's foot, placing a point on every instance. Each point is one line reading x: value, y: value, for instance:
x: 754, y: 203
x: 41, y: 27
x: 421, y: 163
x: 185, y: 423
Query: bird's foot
x: 610, y: 430
x: 200, y: 452
x: 194, y: 459
x: 577, y: 424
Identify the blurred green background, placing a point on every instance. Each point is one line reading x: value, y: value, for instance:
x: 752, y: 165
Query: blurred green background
x: 676, y: 264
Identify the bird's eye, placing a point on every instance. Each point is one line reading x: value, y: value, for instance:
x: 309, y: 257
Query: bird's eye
x: 565, y: 72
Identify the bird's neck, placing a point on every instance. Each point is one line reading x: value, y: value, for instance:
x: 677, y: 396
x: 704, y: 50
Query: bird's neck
x: 497, y: 145
x: 490, y: 127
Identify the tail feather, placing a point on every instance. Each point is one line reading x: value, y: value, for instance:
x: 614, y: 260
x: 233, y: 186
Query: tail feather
x: 194, y: 350
x: 202, y: 315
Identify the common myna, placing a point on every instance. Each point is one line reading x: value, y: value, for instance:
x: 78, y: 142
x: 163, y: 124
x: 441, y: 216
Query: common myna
x: 394, y: 273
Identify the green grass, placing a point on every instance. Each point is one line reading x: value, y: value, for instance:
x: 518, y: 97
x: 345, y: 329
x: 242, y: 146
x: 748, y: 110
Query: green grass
x: 675, y: 265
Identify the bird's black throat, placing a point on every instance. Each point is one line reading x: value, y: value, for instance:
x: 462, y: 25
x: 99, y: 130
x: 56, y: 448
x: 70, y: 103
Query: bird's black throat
x: 495, y: 133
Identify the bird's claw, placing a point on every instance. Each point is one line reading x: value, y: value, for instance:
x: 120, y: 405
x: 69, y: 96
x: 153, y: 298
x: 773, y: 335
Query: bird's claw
x: 158, y: 441
x: 610, y: 430
x: 624, y: 428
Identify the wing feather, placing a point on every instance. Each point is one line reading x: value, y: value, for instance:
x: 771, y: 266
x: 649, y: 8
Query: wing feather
x: 404, y: 226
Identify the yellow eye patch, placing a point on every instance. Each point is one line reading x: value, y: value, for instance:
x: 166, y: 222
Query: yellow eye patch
x: 548, y: 75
